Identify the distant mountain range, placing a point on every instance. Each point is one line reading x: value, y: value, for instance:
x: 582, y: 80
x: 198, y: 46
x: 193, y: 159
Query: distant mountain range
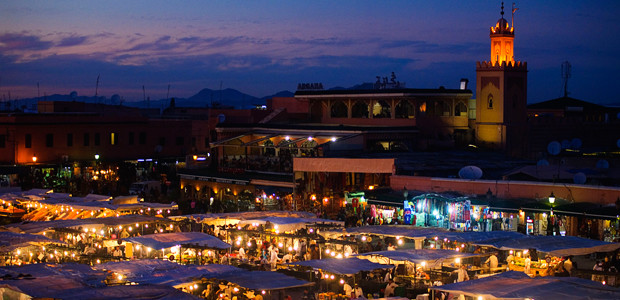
x: 204, y: 98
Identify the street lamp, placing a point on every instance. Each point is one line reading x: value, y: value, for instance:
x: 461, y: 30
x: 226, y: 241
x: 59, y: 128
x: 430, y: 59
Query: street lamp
x: 96, y: 156
x: 552, y: 198
x: 34, y: 158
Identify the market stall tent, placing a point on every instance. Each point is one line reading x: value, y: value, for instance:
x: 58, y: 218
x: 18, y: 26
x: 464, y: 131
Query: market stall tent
x: 157, y: 271
x: 287, y: 224
x: 168, y: 240
x: 555, y: 245
x: 431, y: 257
x: 10, y: 241
x: 517, y: 285
x: 345, y: 266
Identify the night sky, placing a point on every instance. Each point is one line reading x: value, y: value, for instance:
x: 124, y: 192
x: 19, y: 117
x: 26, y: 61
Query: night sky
x: 263, y: 47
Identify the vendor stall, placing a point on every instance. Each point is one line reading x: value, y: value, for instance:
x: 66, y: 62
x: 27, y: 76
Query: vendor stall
x: 516, y: 285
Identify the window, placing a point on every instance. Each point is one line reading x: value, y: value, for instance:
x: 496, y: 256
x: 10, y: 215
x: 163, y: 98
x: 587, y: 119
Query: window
x: 86, y: 139
x: 162, y: 141
x: 339, y: 110
x: 461, y: 110
x: 49, y: 140
x: 206, y: 142
x: 69, y: 139
x: 113, y: 138
x: 142, y: 138
x: 193, y: 141
x: 359, y: 110
x: 180, y: 141
x: 131, y: 138
x: 2, y: 140
x: 381, y: 109
x: 404, y: 110
x: 28, y: 140
x: 97, y: 139
x: 490, y: 101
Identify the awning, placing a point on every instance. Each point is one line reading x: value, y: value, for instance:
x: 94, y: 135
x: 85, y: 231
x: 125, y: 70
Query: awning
x: 518, y: 285
x: 431, y: 257
x: 345, y: 266
x: 168, y: 240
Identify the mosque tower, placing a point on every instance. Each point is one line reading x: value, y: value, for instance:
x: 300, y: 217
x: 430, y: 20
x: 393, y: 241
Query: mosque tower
x: 501, y: 94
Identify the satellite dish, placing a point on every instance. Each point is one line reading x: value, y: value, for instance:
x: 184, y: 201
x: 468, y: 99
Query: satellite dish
x: 554, y: 148
x: 576, y: 143
x: 158, y: 148
x: 221, y: 118
x: 470, y: 172
x: 602, y: 164
x: 565, y: 144
x: 542, y: 163
x: 579, y: 178
x: 618, y: 143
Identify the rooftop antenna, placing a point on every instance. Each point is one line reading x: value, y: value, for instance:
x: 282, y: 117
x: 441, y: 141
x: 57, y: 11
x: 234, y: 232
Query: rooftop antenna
x: 97, y: 86
x: 565, y: 76
x: 38, y: 91
x: 168, y: 93
x: 514, y: 10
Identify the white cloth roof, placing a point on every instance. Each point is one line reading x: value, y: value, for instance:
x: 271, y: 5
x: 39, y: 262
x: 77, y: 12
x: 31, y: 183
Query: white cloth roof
x: 10, y: 241
x: 262, y: 280
x: 157, y: 271
x: 235, y: 217
x: 290, y: 223
x: 167, y: 240
x: 345, y: 266
x: 556, y: 245
x: 518, y: 285
x: 36, y: 227
x: 160, y: 292
x: 153, y: 271
x: 397, y: 230
x: 431, y: 257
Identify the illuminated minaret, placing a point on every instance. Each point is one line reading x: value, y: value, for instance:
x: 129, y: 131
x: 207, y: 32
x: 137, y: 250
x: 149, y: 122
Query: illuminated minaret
x: 501, y: 94
x: 502, y: 41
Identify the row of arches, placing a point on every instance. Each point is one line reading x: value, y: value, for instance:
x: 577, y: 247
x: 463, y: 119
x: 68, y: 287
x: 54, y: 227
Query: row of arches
x: 404, y: 109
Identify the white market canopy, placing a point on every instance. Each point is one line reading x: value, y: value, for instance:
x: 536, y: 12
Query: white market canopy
x: 37, y: 227
x: 168, y: 240
x: 556, y: 245
x: 344, y: 266
x: 286, y: 224
x: 518, y: 285
x: 432, y: 257
x: 157, y: 271
x: 407, y: 231
x: 10, y: 241
x: 262, y: 280
x: 153, y: 271
x: 234, y: 217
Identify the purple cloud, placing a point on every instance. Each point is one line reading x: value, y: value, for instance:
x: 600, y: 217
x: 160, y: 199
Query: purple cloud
x: 23, y: 41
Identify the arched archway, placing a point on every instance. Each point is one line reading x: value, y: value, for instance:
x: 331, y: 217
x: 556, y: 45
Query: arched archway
x: 360, y: 109
x: 381, y: 109
x: 404, y: 110
x: 339, y: 110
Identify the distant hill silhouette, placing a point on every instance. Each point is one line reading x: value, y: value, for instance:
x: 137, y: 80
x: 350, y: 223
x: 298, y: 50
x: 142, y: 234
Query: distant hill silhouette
x: 205, y: 97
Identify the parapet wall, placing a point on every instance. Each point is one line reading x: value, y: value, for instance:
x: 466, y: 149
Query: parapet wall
x: 602, y: 195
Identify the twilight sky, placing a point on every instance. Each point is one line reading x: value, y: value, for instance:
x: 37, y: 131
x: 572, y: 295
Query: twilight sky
x: 263, y: 47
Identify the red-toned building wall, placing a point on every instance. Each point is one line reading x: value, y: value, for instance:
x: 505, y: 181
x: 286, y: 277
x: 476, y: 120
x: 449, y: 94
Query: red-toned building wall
x: 59, y: 137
